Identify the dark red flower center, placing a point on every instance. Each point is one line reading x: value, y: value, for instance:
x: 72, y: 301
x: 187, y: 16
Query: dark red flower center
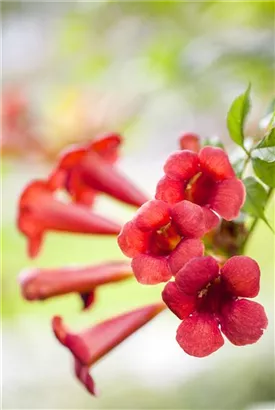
x: 212, y: 297
x: 199, y: 189
x: 164, y: 240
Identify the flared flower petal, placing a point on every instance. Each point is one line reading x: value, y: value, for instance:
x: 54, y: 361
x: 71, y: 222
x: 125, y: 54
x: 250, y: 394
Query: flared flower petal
x: 151, y: 270
x: 40, y: 284
x: 92, y: 344
x: 182, y: 165
x: 178, y: 302
x: 107, y: 146
x: 152, y: 215
x: 132, y: 241
x: 80, y: 192
x: 211, y: 220
x: 215, y: 163
x: 190, y: 141
x: 88, y: 299
x: 241, y: 276
x: 199, y: 335
x: 243, y: 321
x: 227, y: 198
x: 189, y: 219
x: 196, y: 274
x: 170, y: 190
x: 185, y: 250
x: 83, y: 375
x: 39, y: 212
x: 104, y: 177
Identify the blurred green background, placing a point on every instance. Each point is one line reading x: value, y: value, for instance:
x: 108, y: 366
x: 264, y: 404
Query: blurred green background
x: 150, y: 70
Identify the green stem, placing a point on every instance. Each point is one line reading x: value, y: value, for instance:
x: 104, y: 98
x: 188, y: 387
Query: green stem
x: 255, y: 222
x: 245, y: 164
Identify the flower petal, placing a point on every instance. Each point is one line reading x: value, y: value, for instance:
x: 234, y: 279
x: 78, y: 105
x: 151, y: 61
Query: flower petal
x: 190, y: 141
x: 80, y: 192
x: 170, y: 190
x: 241, y: 276
x: 87, y: 299
x: 243, y: 321
x: 132, y: 241
x: 34, y: 245
x: 179, y: 303
x: 182, y: 165
x: 215, y: 162
x: 227, y: 198
x: 189, y: 219
x: 211, y: 220
x: 83, y: 375
x: 150, y: 270
x: 107, y: 146
x: 196, y: 274
x: 186, y: 250
x: 199, y: 335
x: 152, y: 215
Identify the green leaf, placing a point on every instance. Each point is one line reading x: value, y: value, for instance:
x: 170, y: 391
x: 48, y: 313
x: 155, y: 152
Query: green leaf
x: 265, y: 149
x: 268, y: 140
x: 256, y: 198
x: 237, y: 115
x: 265, y: 171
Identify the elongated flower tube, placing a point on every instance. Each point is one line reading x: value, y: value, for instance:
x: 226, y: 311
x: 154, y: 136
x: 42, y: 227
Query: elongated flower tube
x: 92, y: 344
x: 41, y: 284
x: 104, y: 177
x: 39, y: 211
x: 85, y: 171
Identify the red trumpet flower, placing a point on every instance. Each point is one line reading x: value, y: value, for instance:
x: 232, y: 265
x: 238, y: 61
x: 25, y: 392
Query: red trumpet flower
x: 87, y: 170
x: 206, y: 178
x: 41, y: 284
x: 18, y: 128
x: 39, y: 211
x: 210, y: 300
x: 161, y: 238
x: 92, y: 344
x: 190, y: 141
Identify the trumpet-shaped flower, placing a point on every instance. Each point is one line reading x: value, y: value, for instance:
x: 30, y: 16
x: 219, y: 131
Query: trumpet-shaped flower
x: 41, y: 284
x: 161, y: 238
x: 205, y: 178
x: 210, y: 300
x: 39, y: 211
x: 85, y: 171
x: 92, y: 344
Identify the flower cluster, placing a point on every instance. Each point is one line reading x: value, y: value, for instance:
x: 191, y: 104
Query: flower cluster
x: 195, y: 204
x: 164, y: 241
x: 165, y: 232
x: 82, y: 173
